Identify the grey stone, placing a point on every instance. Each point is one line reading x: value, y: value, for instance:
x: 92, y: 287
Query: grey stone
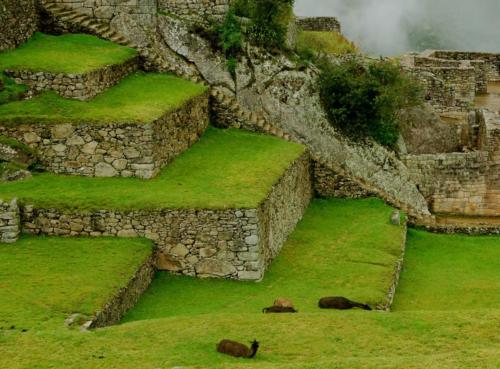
x: 213, y: 267
x: 105, y: 170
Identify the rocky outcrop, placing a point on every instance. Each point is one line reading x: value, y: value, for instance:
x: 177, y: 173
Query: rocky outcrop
x: 285, y: 94
x: 18, y: 22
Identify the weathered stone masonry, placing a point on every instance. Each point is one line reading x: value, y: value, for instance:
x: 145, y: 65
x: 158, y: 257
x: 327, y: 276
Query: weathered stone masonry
x: 18, y: 22
x: 125, y: 150
x: 9, y: 221
x: 75, y: 86
x: 463, y: 183
x: 195, y: 10
x: 326, y: 24
x: 228, y: 243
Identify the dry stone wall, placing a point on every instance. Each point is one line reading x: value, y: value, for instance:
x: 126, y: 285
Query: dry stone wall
x: 492, y: 61
x: 141, y: 11
x: 75, y: 86
x: 452, y: 183
x: 114, y: 150
x: 328, y: 183
x: 226, y: 243
x: 199, y: 11
x: 9, y: 221
x: 18, y: 22
x: 326, y: 24
x: 463, y: 183
x: 126, y: 297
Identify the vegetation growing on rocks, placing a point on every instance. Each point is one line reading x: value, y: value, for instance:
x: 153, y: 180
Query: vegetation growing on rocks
x: 363, y: 99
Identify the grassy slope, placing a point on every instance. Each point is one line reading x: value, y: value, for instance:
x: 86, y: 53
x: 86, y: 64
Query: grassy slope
x: 225, y: 169
x: 325, y: 42
x: 444, y: 272
x: 328, y: 254
x: 44, y: 279
x: 140, y: 98
x: 309, y: 340
x: 71, y: 53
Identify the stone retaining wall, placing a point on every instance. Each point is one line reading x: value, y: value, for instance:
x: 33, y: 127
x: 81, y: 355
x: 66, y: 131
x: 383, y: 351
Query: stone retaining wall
x: 75, y: 86
x: 226, y: 243
x: 9, y: 221
x: 452, y: 183
x: 199, y: 11
x: 18, y: 22
x: 327, y: 24
x: 114, y: 150
x: 142, y: 11
x: 327, y: 183
x: 398, y: 267
x: 126, y: 297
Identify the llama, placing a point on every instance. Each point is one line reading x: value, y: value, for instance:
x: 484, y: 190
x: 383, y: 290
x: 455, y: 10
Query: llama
x: 279, y: 309
x: 283, y: 302
x: 340, y: 303
x: 237, y: 349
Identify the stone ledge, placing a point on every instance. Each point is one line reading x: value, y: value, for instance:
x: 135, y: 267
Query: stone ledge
x: 126, y: 298
x: 83, y: 86
x: 115, y: 150
x: 227, y: 243
x: 398, y: 267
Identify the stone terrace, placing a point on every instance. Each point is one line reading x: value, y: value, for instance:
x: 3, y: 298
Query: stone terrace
x: 92, y: 74
x: 232, y: 238
x: 72, y: 143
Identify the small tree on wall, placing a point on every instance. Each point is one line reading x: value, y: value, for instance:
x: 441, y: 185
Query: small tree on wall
x: 363, y: 100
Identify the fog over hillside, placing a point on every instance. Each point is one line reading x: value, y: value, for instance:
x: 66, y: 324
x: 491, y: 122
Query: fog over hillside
x: 394, y: 26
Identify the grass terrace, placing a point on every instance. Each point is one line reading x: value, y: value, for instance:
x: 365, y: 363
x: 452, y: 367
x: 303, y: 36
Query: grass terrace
x: 70, y: 53
x: 45, y: 279
x: 324, y: 42
x: 328, y: 254
x: 449, y: 272
x: 335, y: 249
x: 138, y: 99
x: 225, y: 169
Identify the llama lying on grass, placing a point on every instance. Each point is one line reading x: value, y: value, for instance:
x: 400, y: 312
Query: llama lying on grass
x: 237, y: 349
x: 341, y: 303
x: 279, y: 309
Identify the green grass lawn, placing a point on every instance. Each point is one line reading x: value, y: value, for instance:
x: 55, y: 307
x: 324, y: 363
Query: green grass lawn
x: 70, y: 53
x: 45, y: 279
x: 328, y: 254
x: 225, y: 169
x: 192, y: 322
x: 139, y: 98
x: 443, y: 272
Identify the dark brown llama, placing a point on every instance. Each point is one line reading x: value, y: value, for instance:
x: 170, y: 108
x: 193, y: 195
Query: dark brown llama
x: 237, y: 349
x: 341, y: 303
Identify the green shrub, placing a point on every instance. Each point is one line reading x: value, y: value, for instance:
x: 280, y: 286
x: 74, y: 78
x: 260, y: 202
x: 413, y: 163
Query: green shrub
x: 268, y: 20
x: 362, y: 100
x: 230, y: 39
